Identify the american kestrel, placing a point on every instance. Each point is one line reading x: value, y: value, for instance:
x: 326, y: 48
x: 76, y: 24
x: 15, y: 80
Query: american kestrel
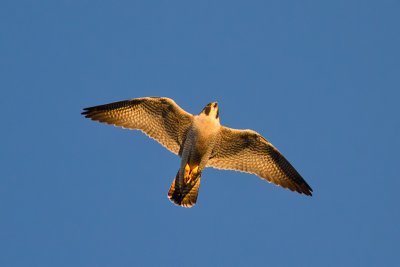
x: 201, y: 141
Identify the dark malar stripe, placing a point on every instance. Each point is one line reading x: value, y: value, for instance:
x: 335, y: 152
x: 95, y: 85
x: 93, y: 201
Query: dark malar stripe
x: 207, y: 110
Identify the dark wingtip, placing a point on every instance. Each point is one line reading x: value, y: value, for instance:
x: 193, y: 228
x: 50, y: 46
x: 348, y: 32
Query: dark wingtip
x: 86, y: 111
x: 308, y: 191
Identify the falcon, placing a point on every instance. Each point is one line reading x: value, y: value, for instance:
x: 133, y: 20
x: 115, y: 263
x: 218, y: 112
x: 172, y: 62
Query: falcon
x: 201, y: 141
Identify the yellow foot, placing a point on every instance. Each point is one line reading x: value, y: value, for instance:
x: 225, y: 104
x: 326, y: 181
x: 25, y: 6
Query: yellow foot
x: 187, y: 172
x: 195, y: 170
x: 190, y: 173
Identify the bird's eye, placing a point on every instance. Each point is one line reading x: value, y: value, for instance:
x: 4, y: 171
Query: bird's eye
x: 217, y: 114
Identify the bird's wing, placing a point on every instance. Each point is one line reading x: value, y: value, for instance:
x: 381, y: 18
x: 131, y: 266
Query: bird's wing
x: 248, y: 151
x: 158, y: 117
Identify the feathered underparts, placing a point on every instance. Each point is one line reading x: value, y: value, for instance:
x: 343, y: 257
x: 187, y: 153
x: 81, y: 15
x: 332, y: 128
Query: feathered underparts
x: 201, y: 142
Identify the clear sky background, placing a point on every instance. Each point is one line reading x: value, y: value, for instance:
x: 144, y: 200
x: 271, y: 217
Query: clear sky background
x: 319, y: 79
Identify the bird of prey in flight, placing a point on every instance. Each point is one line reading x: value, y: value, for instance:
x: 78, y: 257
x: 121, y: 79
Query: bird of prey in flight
x: 201, y: 141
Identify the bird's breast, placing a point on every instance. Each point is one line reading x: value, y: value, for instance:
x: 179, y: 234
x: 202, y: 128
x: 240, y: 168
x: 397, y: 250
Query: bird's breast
x: 205, y: 127
x: 201, y: 137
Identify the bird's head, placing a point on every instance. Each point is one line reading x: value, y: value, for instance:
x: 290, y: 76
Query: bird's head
x: 211, y: 110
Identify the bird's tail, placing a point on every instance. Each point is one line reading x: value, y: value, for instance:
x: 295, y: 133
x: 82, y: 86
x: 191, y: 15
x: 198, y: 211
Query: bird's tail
x: 185, y: 194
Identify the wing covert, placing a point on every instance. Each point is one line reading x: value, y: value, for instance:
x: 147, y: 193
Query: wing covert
x: 248, y: 151
x: 158, y: 117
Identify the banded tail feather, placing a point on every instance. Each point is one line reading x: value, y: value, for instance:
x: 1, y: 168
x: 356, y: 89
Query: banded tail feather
x: 186, y: 194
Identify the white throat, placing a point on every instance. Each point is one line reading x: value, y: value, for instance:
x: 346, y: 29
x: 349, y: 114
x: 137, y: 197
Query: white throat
x: 206, y: 123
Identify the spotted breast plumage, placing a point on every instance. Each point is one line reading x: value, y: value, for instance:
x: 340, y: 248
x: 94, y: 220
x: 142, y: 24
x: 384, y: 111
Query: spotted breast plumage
x: 201, y: 141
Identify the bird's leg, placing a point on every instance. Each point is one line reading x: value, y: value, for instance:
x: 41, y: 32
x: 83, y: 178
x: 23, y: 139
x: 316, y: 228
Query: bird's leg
x: 187, y: 173
x: 190, y: 173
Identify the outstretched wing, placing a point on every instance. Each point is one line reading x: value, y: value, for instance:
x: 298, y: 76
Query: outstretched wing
x: 158, y: 117
x: 248, y: 151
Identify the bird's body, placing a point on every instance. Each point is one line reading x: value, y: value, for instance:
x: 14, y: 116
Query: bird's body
x: 197, y: 147
x: 201, y: 142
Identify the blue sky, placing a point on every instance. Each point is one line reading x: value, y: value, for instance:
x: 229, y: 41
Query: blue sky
x: 319, y: 79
